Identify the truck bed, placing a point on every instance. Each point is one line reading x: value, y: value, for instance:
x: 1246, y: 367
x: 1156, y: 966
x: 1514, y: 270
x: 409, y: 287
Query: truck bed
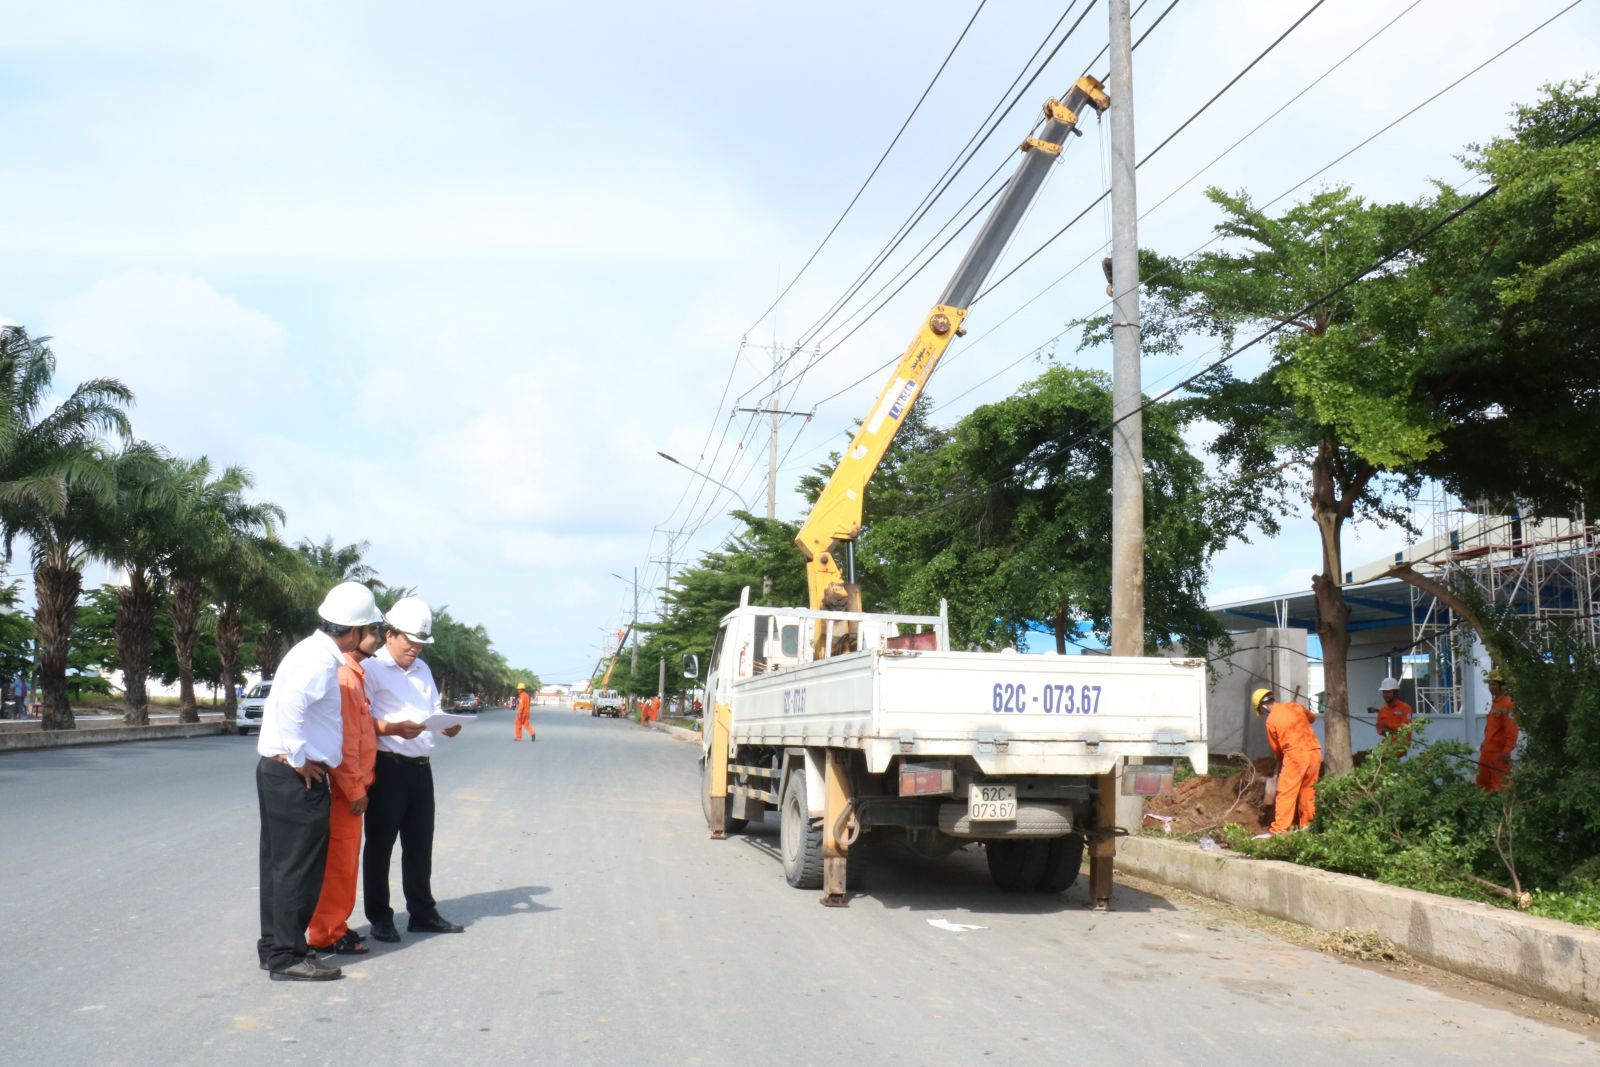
x: 1014, y: 714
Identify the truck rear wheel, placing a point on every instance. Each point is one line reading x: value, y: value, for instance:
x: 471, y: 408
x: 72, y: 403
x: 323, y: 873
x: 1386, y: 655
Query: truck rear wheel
x: 729, y: 823
x: 1062, y: 864
x: 800, y: 836
x: 1017, y: 865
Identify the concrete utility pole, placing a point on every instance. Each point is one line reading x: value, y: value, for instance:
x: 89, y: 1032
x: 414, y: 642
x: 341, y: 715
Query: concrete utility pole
x: 633, y: 657
x: 775, y: 350
x: 1127, y: 433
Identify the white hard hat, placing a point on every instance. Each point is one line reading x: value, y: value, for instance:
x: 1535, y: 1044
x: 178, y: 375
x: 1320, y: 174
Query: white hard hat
x: 1388, y: 684
x: 412, y: 617
x: 350, y: 604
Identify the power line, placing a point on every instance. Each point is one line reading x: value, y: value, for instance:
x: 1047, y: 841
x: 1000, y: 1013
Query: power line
x: 896, y: 140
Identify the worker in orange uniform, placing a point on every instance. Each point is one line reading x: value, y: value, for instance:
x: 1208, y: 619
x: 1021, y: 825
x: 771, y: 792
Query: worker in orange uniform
x: 330, y: 928
x: 1299, y: 760
x: 523, y: 717
x: 1395, y: 712
x: 1499, y: 736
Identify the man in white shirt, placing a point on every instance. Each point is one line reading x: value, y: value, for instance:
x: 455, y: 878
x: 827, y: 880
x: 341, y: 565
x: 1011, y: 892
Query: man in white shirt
x: 302, y: 736
x: 400, y: 800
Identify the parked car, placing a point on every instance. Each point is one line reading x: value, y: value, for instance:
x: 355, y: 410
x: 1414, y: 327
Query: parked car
x: 250, y: 707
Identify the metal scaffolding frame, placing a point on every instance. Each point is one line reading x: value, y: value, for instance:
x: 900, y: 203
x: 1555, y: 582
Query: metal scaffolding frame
x: 1546, y: 567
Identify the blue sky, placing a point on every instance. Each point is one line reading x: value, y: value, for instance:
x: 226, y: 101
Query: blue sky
x: 446, y: 277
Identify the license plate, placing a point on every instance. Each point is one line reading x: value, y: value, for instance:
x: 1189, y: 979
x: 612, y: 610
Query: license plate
x: 991, y: 803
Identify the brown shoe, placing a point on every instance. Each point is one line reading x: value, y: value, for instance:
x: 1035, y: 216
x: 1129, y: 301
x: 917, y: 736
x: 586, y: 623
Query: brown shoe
x: 306, y: 969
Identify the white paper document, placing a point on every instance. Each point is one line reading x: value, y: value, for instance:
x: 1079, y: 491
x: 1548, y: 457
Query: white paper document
x: 440, y: 720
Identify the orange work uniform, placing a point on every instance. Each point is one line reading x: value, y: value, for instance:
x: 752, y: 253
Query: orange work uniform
x: 1393, y: 716
x: 1499, y: 738
x: 524, y: 719
x: 350, y: 780
x: 1300, y: 761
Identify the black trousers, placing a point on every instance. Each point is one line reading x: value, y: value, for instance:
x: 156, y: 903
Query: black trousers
x: 294, y: 852
x: 399, y: 804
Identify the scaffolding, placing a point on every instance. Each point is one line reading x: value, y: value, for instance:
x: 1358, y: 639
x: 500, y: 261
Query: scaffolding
x: 1544, y: 567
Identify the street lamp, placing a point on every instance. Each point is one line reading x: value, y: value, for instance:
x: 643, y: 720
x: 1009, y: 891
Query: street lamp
x: 633, y: 660
x: 708, y: 478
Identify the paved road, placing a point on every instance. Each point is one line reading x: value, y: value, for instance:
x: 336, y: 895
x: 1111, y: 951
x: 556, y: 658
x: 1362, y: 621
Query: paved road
x: 604, y: 927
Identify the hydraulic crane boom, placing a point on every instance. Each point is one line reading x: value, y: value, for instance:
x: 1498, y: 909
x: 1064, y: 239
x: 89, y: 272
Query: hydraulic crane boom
x: 836, y: 517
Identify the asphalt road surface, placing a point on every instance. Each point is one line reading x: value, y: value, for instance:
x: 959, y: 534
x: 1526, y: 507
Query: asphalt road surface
x: 603, y: 926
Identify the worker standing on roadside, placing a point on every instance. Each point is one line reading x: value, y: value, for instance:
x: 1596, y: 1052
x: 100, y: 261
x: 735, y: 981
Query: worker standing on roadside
x: 1299, y: 761
x: 523, y: 717
x: 1394, y: 714
x: 330, y: 925
x: 301, y: 740
x: 1499, y: 736
x: 400, y: 803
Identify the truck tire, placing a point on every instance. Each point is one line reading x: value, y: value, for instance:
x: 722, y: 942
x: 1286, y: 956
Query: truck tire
x: 1017, y: 866
x: 729, y: 823
x: 800, y: 837
x: 1062, y: 864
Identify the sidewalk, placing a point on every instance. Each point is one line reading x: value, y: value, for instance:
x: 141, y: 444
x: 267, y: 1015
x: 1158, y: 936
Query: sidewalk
x: 105, y: 727
x: 1540, y: 957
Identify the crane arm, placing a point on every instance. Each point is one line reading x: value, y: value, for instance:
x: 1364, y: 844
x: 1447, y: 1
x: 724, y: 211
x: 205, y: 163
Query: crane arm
x: 836, y: 516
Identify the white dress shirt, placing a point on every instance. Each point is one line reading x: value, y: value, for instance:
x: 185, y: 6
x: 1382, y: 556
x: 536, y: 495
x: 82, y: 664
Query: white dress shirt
x: 400, y: 695
x: 301, y: 718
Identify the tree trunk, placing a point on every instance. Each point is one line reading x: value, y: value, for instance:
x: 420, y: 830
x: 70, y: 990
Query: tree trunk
x: 230, y: 635
x: 1334, y: 491
x: 57, y: 588
x: 1060, y: 624
x: 270, y: 649
x: 136, y: 631
x: 185, y: 634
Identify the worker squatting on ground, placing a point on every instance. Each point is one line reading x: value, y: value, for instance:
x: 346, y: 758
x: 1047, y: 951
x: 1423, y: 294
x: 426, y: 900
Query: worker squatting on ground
x: 1299, y: 760
x: 1394, y: 714
x: 403, y: 693
x: 302, y: 734
x: 524, y: 720
x: 1499, y: 736
x: 330, y: 925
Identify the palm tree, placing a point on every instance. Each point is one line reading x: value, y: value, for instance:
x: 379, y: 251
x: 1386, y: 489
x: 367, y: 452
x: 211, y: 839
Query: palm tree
x: 251, y: 560
x: 282, y: 611
x: 211, y: 514
x: 137, y: 535
x: 54, y: 481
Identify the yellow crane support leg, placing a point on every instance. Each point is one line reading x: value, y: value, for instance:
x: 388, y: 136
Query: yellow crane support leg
x: 717, y: 771
x: 838, y: 830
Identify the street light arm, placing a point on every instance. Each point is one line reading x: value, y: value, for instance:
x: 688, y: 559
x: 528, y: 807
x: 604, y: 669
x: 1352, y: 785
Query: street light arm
x: 708, y: 478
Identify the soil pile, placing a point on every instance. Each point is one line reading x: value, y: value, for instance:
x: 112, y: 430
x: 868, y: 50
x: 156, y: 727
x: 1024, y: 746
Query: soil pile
x: 1204, y: 802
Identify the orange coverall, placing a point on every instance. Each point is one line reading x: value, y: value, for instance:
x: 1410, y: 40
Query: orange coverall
x: 1499, y: 738
x: 350, y: 781
x: 1300, y: 758
x: 523, y: 717
x: 1393, y: 716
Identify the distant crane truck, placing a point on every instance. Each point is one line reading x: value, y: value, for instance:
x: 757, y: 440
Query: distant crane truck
x: 849, y: 722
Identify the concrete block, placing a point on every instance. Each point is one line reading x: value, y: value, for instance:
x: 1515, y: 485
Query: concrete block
x: 16, y: 740
x: 1540, y: 957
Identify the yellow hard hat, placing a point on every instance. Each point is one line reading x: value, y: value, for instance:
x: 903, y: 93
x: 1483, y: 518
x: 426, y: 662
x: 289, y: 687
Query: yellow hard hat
x: 521, y: 686
x: 1494, y: 676
x: 1258, y: 696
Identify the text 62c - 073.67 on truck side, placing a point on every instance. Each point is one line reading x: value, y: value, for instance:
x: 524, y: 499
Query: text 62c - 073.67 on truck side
x: 1051, y: 698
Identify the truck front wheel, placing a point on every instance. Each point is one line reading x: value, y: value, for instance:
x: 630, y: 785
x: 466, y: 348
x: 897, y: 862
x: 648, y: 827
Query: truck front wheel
x: 800, y: 836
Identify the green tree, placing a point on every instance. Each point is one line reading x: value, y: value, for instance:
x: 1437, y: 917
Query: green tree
x: 252, y: 562
x: 54, y: 479
x: 16, y: 638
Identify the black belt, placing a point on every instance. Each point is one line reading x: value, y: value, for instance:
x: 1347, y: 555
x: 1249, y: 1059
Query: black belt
x: 403, y: 759
x: 281, y: 758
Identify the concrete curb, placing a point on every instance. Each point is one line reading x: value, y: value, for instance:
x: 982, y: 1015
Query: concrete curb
x: 17, y: 740
x: 1540, y: 957
x: 677, y: 732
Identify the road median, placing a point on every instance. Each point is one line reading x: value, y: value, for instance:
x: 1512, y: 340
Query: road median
x: 1540, y: 957
x: 20, y: 739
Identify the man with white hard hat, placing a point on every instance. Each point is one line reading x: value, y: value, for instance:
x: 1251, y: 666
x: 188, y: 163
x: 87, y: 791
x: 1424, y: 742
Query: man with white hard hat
x: 1394, y: 714
x: 400, y: 802
x: 302, y: 737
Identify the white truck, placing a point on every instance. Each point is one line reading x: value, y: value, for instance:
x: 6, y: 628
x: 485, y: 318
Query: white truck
x: 905, y: 736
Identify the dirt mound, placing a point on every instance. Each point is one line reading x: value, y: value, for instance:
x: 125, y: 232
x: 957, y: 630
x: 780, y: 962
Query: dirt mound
x: 1203, y: 803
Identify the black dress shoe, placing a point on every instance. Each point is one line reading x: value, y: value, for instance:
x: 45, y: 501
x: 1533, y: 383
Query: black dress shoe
x: 436, y: 925
x: 306, y: 969
x: 385, y: 931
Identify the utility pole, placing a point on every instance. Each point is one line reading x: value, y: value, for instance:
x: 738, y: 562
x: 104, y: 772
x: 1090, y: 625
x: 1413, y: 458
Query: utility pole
x: 1127, y: 431
x: 633, y: 657
x: 775, y: 350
